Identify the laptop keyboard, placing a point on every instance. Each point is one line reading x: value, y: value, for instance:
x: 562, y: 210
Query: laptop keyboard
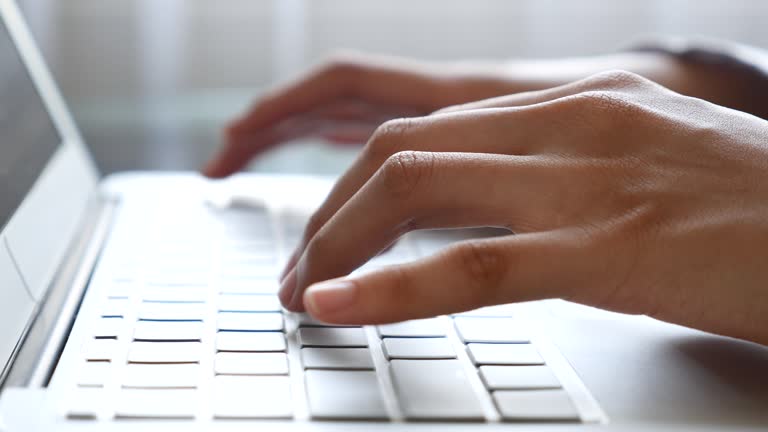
x: 182, y: 321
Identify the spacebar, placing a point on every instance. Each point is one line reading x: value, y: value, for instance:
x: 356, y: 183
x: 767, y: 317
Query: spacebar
x: 435, y: 389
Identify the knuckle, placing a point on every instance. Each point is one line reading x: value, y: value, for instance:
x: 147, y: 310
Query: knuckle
x: 343, y: 71
x: 609, y: 105
x: 406, y: 172
x: 388, y: 139
x: 484, y: 265
x: 618, y: 79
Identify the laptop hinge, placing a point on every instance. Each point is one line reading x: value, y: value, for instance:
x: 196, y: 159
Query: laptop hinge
x: 36, y: 357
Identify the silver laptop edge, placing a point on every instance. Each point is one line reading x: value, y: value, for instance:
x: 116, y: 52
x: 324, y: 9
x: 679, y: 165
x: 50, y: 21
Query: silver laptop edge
x: 69, y: 179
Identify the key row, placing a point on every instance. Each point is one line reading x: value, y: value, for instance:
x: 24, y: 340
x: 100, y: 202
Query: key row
x: 150, y: 369
x: 422, y: 348
x: 479, y: 329
x: 198, y: 290
x: 104, y: 350
x: 190, y: 310
x: 331, y: 394
x: 151, y: 330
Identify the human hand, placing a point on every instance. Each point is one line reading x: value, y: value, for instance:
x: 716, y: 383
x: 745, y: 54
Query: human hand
x: 345, y: 99
x: 623, y: 195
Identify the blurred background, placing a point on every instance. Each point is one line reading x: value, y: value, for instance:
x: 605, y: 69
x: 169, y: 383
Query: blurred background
x: 151, y: 82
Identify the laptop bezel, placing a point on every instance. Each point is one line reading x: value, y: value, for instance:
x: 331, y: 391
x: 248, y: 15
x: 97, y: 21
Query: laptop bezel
x: 42, y: 228
x: 43, y: 225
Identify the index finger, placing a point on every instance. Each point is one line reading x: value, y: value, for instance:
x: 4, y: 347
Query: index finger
x: 385, y: 80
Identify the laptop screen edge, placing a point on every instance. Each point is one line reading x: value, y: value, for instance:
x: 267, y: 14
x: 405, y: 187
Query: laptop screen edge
x: 39, y: 231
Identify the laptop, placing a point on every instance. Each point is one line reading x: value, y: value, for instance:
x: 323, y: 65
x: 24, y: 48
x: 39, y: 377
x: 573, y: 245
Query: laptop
x: 148, y: 300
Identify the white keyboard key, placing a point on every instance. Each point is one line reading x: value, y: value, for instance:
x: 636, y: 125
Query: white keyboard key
x: 85, y: 403
x: 243, y: 321
x: 250, y: 242
x: 535, y: 405
x: 252, y: 397
x: 121, y: 288
x: 114, y: 307
x: 254, y: 243
x: 250, y: 341
x: 263, y: 255
x: 336, y: 358
x: 172, y: 311
x: 176, y: 294
x: 185, y: 279
x: 178, y: 265
x: 429, y: 327
x: 428, y: 242
x: 165, y: 352
x: 306, y: 320
x: 252, y: 286
x: 245, y: 272
x: 418, y: 348
x: 504, y: 354
x: 168, y: 331
x: 160, y: 376
x: 229, y: 363
x: 333, y: 337
x: 518, y: 377
x: 105, y: 328
x: 100, y: 349
x: 93, y: 374
x: 344, y: 395
x: 156, y: 404
x: 491, y: 330
x: 435, y: 389
x: 246, y: 265
x: 249, y: 303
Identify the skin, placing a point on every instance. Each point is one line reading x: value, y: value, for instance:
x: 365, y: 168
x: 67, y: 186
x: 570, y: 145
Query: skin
x: 622, y: 193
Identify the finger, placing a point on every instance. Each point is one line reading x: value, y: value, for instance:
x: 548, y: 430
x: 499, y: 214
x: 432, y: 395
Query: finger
x: 451, y: 132
x: 418, y: 190
x: 532, y: 130
x: 346, y: 122
x: 292, y: 260
x: 377, y: 80
x: 236, y: 157
x: 363, y: 111
x: 331, y: 126
x: 466, y: 276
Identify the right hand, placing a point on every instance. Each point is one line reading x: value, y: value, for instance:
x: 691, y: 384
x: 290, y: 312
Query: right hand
x: 345, y: 99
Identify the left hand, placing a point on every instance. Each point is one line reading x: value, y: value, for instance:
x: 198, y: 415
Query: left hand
x: 621, y: 194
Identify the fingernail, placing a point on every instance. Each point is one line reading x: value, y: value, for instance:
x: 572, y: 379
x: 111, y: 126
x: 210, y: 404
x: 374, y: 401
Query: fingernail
x: 287, y: 287
x: 329, y: 297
